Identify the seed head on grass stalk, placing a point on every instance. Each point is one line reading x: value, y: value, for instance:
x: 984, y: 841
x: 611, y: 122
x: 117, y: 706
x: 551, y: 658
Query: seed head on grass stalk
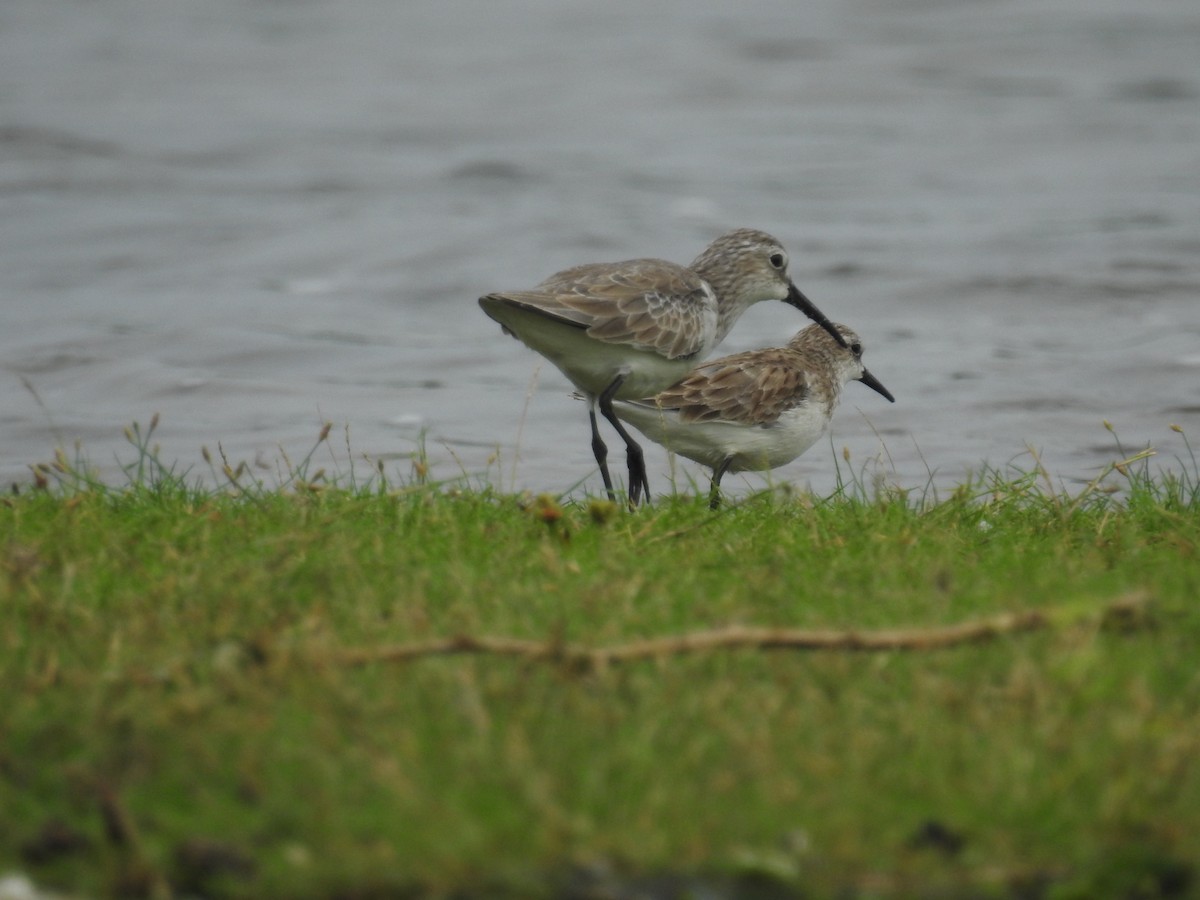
x: 420, y: 461
x: 602, y: 511
x: 297, y: 473
x: 547, y: 509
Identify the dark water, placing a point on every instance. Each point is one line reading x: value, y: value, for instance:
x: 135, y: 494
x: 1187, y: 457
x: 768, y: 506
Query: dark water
x: 253, y: 216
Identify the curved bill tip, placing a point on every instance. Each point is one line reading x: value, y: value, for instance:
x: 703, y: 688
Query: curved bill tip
x: 876, y: 385
x: 806, y: 306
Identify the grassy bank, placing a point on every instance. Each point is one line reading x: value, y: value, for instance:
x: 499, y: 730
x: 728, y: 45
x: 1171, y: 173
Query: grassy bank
x: 246, y: 692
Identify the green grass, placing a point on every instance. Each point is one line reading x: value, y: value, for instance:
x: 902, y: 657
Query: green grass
x: 178, y: 718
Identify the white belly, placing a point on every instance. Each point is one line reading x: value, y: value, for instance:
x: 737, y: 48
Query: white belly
x: 591, y: 365
x: 751, y: 447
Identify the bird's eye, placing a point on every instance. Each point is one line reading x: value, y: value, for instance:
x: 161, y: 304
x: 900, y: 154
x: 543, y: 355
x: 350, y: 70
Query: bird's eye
x: 856, y: 348
x: 778, y: 261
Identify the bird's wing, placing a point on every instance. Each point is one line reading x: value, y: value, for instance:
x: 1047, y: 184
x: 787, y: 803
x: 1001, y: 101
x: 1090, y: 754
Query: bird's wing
x: 649, y: 304
x: 752, y: 388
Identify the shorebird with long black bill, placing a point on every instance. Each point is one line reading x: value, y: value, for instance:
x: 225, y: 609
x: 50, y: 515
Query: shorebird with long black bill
x: 627, y: 330
x: 755, y: 410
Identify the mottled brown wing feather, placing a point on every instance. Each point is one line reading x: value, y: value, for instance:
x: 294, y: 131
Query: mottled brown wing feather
x: 651, y: 304
x: 752, y: 388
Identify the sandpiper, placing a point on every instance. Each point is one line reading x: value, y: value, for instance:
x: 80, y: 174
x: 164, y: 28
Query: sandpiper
x: 754, y: 410
x: 626, y: 330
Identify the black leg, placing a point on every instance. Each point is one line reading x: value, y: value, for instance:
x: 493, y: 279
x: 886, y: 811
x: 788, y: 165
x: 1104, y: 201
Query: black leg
x: 714, y: 495
x: 601, y: 453
x: 639, y: 485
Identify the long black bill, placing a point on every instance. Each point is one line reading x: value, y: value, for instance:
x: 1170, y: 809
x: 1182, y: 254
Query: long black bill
x: 802, y: 303
x: 876, y: 385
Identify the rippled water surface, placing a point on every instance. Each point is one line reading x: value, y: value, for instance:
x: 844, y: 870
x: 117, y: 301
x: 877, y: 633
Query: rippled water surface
x: 253, y: 217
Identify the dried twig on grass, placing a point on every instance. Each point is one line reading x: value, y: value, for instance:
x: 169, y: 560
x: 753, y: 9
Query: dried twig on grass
x: 732, y: 637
